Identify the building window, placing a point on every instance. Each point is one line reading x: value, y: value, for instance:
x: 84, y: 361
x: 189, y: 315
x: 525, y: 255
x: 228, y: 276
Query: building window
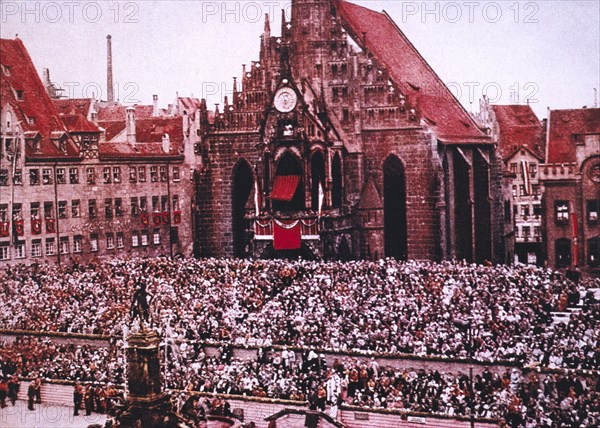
x: 154, y: 203
x: 132, y: 174
x: 34, y: 177
x: 61, y: 177
x: 175, y: 202
x: 513, y: 167
x: 110, y: 241
x: 134, y: 206
x: 50, y: 247
x: 142, y: 174
x: 90, y: 174
x: 48, y: 210
x: 36, y: 248
x: 537, y: 210
x: 64, y: 245
x: 561, y: 211
x: 593, y: 251
x: 536, y: 190
x: 163, y: 174
x: 34, y: 210
x: 19, y: 93
x: 143, y: 204
x: 522, y: 190
x: 4, y: 251
x: 156, y: 237
x: 106, y: 175
x: 18, y: 177
x: 562, y: 252
x: 4, y: 212
x: 525, y: 210
x: 73, y: 176
x: 118, y: 207
x: 77, y: 243
x: 20, y: 250
x: 92, y: 209
x: 526, y: 232
x: 593, y: 206
x: 164, y: 203
x: 174, y: 235
x: 144, y: 239
x: 94, y: 243
x: 176, y: 173
x: 135, y: 240
x: 47, y: 176
x: 120, y: 240
x: 514, y: 191
x: 76, y: 208
x: 62, y: 209
x: 3, y: 177
x: 116, y: 174
x: 532, y: 170
x: 153, y: 174
x: 537, y: 231
x: 108, y: 208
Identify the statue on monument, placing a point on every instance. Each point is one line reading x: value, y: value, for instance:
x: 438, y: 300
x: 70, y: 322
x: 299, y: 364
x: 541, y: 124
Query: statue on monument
x: 140, y: 305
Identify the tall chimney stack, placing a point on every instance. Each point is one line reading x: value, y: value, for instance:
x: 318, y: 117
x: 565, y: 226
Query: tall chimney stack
x: 155, y: 107
x: 130, y: 124
x: 109, y: 71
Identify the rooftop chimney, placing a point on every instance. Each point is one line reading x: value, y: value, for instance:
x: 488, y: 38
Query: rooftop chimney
x: 130, y: 124
x: 155, y: 110
x: 109, y: 71
x: 166, y: 143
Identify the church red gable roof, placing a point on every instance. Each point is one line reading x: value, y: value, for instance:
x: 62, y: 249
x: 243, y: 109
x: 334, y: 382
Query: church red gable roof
x: 410, y: 72
x: 566, y: 129
x: 519, y: 126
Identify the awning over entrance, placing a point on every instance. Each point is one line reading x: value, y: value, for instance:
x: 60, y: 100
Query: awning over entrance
x: 285, y: 187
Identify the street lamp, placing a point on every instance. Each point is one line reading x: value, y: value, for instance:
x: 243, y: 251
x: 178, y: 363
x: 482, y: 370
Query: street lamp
x: 467, y: 325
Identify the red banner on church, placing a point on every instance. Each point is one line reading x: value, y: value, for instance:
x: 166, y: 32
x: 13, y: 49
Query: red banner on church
x: 287, y: 235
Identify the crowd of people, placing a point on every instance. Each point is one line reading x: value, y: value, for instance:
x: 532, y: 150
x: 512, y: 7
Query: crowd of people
x: 386, y: 306
x: 520, y: 398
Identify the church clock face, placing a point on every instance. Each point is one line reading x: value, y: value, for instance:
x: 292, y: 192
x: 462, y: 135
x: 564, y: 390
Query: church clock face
x: 285, y: 100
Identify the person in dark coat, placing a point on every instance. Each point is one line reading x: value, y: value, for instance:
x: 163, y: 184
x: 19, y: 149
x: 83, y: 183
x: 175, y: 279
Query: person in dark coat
x: 3, y: 392
x: 13, y: 389
x: 31, y: 395
x: 77, y: 398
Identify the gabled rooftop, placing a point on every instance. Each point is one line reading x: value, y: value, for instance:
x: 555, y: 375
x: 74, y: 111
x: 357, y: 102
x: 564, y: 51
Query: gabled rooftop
x: 519, y: 127
x: 378, y: 34
x: 567, y: 128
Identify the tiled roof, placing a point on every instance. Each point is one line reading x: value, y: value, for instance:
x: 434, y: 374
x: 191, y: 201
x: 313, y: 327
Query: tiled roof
x: 411, y: 73
x: 519, y: 127
x: 78, y: 123
x: 35, y: 111
x: 117, y: 112
x: 566, y: 128
x: 149, y: 137
x: 73, y: 106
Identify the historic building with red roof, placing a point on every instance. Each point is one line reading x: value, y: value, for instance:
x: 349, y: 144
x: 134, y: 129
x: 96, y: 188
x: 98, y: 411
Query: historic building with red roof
x: 342, y: 142
x: 571, y: 181
x: 80, y: 179
x: 521, y: 139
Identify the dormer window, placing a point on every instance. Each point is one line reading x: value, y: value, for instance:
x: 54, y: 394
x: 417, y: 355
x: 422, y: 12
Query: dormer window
x: 19, y: 94
x: 31, y: 120
x: 6, y: 70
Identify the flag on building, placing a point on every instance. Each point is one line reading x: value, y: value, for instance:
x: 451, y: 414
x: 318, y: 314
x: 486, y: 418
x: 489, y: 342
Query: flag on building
x: 525, y: 175
x: 321, y: 198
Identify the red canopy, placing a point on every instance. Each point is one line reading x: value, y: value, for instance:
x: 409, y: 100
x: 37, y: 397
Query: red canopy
x: 285, y: 187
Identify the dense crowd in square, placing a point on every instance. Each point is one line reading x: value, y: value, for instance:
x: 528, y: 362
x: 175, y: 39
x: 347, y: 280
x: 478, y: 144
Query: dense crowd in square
x: 384, y: 307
